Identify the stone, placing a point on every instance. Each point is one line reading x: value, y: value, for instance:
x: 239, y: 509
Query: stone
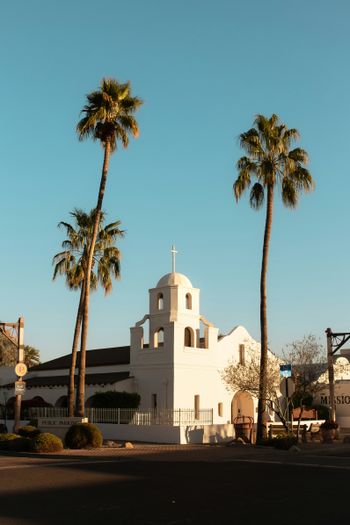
x: 110, y: 444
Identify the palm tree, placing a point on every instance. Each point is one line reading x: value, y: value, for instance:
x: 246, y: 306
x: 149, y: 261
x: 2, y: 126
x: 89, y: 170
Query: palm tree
x: 72, y: 263
x: 108, y: 118
x: 8, y: 354
x: 272, y: 163
x: 31, y: 356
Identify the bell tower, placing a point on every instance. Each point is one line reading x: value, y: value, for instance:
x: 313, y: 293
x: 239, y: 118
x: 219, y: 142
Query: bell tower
x: 173, y: 327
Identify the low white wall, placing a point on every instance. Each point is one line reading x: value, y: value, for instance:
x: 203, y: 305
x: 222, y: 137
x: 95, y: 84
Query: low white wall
x: 167, y: 434
x: 208, y: 434
x: 146, y: 434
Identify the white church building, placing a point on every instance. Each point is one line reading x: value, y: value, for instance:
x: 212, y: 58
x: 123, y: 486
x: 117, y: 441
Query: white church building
x: 174, y: 362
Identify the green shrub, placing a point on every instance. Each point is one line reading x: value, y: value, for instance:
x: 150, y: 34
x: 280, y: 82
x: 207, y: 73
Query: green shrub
x: 46, y: 442
x: 83, y: 435
x: 112, y: 399
x: 28, y: 431
x: 284, y: 441
x: 14, y: 442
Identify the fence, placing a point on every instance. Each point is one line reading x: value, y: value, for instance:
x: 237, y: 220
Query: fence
x: 120, y: 416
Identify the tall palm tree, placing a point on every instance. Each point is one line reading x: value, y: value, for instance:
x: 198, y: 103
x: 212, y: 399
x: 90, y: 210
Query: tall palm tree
x: 72, y: 263
x: 271, y: 163
x: 108, y: 118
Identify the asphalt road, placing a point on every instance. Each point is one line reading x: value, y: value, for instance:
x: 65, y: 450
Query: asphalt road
x: 176, y: 486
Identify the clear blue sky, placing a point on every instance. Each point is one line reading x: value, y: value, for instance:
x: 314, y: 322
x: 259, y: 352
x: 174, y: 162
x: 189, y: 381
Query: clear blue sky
x: 204, y: 70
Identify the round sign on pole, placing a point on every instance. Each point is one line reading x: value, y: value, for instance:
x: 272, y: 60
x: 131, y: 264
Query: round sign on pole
x: 21, y: 369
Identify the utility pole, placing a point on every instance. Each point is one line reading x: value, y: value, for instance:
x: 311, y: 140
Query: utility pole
x: 14, y: 332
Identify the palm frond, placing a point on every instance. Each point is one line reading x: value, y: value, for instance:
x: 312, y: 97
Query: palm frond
x: 299, y: 155
x: 256, y: 197
x: 250, y: 142
x: 302, y: 179
x: 289, y: 192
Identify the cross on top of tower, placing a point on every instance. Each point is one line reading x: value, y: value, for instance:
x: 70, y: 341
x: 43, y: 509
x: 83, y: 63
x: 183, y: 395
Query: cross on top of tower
x: 173, y: 253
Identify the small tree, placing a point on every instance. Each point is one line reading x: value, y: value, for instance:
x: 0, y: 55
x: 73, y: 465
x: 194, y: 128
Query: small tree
x: 309, y: 367
x: 246, y: 378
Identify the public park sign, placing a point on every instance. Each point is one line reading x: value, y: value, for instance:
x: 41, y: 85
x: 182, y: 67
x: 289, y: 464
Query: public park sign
x: 20, y: 388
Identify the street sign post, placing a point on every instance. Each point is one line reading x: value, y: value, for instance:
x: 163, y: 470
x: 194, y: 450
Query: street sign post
x: 287, y: 387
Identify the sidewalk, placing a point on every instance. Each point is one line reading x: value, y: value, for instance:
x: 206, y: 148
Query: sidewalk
x: 337, y: 453
x: 217, y: 452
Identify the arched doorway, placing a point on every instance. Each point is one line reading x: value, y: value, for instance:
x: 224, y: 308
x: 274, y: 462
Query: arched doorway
x: 242, y: 405
x: 62, y: 402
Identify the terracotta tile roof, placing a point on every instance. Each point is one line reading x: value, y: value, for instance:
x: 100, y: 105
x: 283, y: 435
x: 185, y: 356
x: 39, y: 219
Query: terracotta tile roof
x: 119, y: 355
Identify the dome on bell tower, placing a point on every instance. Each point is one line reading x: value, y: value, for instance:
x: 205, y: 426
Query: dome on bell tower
x: 174, y: 279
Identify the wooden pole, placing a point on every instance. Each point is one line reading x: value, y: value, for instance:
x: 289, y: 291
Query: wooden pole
x: 20, y: 359
x: 330, y: 362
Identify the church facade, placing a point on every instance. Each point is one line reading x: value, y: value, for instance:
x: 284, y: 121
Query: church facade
x: 180, y: 365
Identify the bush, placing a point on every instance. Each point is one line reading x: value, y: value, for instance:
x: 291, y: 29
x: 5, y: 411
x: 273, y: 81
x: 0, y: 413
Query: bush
x: 83, y: 435
x: 112, y: 399
x: 284, y: 441
x: 14, y: 442
x: 28, y: 431
x: 46, y: 442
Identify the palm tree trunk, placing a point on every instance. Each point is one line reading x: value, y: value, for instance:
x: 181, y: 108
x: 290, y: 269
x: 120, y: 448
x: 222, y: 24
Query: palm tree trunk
x: 71, y: 384
x: 262, y: 415
x: 85, y: 319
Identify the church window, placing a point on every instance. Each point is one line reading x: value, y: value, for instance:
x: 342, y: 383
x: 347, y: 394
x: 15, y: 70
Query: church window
x: 189, y: 336
x: 154, y: 401
x: 242, y: 355
x: 188, y: 301
x: 160, y: 301
x: 220, y: 409
x: 159, y: 338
